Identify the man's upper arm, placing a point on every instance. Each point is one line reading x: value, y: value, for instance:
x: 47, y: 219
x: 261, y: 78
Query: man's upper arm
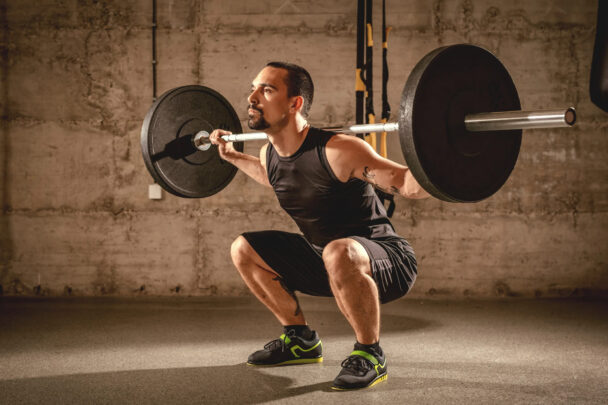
x: 263, y: 163
x: 263, y: 155
x: 351, y: 157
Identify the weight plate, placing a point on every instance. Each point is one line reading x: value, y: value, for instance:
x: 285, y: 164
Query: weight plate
x: 166, y: 141
x: 449, y: 162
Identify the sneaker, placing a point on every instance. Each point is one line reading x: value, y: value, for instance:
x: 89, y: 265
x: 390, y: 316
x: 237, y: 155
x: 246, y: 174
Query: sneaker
x: 362, y: 369
x: 289, y: 349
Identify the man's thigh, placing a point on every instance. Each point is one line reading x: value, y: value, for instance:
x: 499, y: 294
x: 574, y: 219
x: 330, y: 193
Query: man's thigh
x: 393, y: 265
x: 296, y: 261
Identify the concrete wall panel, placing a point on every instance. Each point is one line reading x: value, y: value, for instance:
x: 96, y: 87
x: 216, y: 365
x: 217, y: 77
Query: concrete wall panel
x: 60, y: 166
x: 102, y: 253
x: 510, y: 256
x: 77, y: 81
x: 80, y: 75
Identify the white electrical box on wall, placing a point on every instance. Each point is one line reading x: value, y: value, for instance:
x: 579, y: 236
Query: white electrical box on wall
x: 155, y: 192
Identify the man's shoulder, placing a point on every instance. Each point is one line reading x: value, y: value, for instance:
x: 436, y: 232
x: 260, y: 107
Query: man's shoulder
x: 343, y: 152
x: 320, y: 132
x: 337, y: 140
x: 344, y: 141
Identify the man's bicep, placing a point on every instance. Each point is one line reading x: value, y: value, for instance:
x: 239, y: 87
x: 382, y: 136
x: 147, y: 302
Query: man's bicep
x: 351, y: 157
x: 392, y: 178
x: 382, y: 173
x: 355, y: 158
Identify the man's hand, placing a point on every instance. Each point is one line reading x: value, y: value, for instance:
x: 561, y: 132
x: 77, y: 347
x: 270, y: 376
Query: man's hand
x: 251, y: 165
x: 226, y: 149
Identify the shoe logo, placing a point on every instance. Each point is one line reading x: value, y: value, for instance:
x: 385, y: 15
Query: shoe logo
x: 383, y: 366
x: 296, y: 347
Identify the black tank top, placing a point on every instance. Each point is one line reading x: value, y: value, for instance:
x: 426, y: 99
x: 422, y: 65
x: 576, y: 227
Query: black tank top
x: 323, y: 207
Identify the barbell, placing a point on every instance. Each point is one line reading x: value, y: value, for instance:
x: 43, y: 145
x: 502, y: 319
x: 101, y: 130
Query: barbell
x: 494, y: 121
x: 460, y: 128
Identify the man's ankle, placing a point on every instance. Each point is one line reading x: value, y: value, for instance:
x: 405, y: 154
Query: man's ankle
x: 302, y: 331
x: 375, y: 347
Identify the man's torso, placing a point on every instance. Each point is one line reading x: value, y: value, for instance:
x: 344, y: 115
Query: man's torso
x: 323, y: 207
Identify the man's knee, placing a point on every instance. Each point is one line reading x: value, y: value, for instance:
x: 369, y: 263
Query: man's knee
x: 344, y: 258
x: 241, y: 251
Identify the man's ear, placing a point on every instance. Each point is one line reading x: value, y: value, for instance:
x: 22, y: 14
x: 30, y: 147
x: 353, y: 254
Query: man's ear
x: 297, y: 103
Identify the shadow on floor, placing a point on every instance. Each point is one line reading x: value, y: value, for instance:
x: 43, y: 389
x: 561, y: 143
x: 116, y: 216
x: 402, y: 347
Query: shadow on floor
x: 239, y: 383
x: 497, y: 383
x: 110, y: 323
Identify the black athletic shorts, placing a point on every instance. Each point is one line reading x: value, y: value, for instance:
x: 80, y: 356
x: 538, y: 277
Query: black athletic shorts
x: 301, y: 266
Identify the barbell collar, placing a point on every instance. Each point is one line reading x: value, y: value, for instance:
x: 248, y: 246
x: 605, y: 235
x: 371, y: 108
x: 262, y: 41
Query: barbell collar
x: 509, y: 120
x: 201, y: 140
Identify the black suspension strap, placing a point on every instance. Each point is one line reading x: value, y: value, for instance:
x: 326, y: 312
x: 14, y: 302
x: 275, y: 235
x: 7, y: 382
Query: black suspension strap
x: 359, y: 84
x: 370, y: 116
x: 153, y: 50
x: 386, y: 108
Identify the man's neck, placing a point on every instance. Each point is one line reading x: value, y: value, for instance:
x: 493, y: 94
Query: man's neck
x: 288, y: 139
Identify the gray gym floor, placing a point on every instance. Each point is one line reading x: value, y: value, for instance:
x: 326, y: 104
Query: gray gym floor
x: 183, y: 351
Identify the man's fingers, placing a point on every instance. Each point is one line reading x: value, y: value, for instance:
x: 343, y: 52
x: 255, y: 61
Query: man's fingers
x: 216, y: 136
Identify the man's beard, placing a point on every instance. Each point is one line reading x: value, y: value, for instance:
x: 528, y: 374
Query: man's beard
x: 258, y: 123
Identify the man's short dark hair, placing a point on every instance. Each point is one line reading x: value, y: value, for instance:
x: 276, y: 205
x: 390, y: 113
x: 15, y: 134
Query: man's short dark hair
x: 299, y: 83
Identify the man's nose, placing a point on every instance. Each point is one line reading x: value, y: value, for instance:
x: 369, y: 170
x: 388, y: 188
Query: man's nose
x: 253, y: 97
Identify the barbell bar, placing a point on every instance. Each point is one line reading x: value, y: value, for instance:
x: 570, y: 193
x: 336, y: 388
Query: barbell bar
x: 481, y: 122
x: 459, y: 123
x: 201, y: 139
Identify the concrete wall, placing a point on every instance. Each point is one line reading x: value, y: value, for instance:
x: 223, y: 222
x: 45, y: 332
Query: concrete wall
x: 77, y: 81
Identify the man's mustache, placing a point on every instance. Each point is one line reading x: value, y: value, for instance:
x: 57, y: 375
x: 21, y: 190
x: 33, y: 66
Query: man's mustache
x: 252, y: 107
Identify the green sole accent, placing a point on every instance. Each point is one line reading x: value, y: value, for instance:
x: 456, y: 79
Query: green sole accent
x: 290, y: 362
x: 379, y: 379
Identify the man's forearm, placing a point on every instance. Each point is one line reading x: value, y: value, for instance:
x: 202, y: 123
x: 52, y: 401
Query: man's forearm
x: 250, y: 165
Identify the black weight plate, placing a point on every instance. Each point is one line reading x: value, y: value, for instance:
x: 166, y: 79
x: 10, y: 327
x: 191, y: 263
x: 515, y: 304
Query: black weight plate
x: 166, y: 141
x: 449, y: 162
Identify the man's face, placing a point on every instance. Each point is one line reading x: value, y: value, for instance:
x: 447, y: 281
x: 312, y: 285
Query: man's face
x: 268, y: 101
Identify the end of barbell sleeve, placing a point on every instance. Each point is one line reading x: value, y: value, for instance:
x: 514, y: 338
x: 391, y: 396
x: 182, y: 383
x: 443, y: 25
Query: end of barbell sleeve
x: 570, y: 116
x: 201, y: 140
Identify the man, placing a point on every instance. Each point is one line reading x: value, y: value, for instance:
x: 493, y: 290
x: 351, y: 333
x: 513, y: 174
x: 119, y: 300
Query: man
x: 348, y: 249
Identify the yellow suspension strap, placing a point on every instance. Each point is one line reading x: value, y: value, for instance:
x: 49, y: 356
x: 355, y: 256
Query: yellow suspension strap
x: 369, y: 75
x: 386, y: 108
x: 371, y: 137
